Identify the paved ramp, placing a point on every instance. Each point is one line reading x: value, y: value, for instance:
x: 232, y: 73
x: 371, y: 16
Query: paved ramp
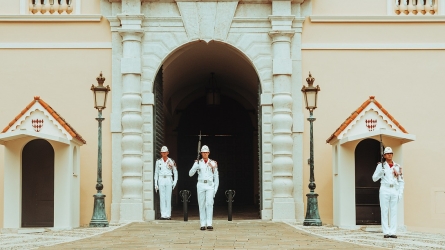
x: 247, y: 234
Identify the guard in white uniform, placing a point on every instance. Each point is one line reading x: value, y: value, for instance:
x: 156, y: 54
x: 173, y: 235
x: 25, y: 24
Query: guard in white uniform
x: 391, y: 191
x: 208, y: 181
x: 165, y: 170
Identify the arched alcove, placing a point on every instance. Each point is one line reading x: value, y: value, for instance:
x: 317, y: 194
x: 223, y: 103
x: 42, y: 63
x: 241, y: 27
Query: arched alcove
x: 38, y: 184
x: 367, y: 206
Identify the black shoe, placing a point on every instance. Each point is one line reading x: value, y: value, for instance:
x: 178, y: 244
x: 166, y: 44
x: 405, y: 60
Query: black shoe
x: 202, y: 228
x: 169, y: 218
x: 393, y: 236
x: 386, y: 236
x: 210, y: 228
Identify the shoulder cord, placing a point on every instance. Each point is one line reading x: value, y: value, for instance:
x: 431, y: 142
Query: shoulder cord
x: 213, y: 168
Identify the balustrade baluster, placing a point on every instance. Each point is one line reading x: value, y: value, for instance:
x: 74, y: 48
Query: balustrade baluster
x: 430, y: 6
x: 69, y: 8
x: 45, y: 6
x: 404, y: 7
x: 421, y: 6
x: 53, y: 7
x: 62, y: 6
x: 35, y: 6
x: 397, y: 7
x: 412, y: 8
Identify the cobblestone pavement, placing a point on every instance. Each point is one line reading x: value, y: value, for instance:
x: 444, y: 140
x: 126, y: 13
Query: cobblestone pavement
x: 405, y: 240
x: 244, y: 234
x: 247, y: 234
x: 33, y: 240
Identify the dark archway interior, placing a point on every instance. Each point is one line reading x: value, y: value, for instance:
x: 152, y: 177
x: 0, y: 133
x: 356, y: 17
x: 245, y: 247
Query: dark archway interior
x: 228, y: 132
x: 38, y: 184
x: 229, y: 129
x: 367, y: 155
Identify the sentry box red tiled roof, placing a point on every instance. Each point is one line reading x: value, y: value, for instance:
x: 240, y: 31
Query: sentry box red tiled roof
x: 53, y: 113
x: 356, y: 112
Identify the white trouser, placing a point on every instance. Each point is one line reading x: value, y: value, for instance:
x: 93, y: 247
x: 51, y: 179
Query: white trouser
x: 205, y: 202
x: 165, y: 195
x: 388, y: 203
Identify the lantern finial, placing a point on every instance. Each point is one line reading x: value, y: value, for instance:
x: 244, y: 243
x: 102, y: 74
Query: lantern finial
x: 100, y: 79
x: 310, y: 80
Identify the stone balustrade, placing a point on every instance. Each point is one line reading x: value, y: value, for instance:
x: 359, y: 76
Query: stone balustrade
x: 51, y: 7
x: 414, y: 7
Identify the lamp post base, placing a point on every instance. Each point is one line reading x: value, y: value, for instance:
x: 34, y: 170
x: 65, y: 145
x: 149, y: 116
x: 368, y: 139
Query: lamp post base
x: 312, y: 215
x: 99, y: 218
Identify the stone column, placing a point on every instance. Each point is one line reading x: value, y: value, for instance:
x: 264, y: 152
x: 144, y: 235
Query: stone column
x: 131, y: 207
x: 282, y: 142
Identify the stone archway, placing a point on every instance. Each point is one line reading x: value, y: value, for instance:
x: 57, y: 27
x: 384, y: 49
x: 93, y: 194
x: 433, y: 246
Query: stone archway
x: 144, y: 41
x: 186, y: 75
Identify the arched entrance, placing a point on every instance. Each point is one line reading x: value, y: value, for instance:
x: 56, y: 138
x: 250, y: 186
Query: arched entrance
x: 367, y: 206
x: 230, y: 128
x: 38, y: 184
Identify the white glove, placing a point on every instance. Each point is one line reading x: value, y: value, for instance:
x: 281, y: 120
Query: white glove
x: 382, y: 172
x: 400, y: 197
x: 156, y: 187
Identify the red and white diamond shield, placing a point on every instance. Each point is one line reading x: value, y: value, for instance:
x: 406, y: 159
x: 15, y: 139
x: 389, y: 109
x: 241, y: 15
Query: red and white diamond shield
x: 37, y: 124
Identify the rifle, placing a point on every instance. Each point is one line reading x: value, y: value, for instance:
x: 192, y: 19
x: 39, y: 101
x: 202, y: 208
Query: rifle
x: 381, y: 153
x: 199, y: 146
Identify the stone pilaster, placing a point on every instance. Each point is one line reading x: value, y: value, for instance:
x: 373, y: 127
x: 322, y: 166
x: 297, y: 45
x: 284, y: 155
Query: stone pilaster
x: 131, y: 206
x: 298, y: 120
x: 282, y: 142
x: 115, y: 118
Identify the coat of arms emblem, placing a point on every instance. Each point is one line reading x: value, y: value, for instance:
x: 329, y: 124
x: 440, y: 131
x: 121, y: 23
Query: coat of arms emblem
x: 371, y: 124
x: 37, y: 124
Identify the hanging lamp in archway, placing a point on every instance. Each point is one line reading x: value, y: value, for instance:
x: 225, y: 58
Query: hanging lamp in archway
x: 213, y: 93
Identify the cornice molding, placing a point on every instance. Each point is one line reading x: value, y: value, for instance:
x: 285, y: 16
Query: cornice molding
x: 377, y: 19
x: 50, y: 18
x: 114, y: 21
x: 130, y: 17
x: 296, y: 22
x: 373, y: 46
x: 93, y: 45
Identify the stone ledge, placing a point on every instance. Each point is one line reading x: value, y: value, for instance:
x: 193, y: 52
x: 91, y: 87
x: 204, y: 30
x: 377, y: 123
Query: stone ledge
x: 377, y: 19
x: 50, y: 18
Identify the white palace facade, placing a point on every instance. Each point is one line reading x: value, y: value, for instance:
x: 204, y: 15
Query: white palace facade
x: 231, y: 71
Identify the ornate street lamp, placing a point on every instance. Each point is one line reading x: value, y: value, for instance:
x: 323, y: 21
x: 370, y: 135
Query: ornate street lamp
x: 310, y: 97
x: 99, y: 218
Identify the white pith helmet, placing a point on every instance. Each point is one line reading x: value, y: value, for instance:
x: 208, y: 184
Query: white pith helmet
x: 205, y: 149
x: 388, y: 150
x: 164, y: 149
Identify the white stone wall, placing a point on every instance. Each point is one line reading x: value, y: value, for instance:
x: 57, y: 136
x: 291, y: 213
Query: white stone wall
x: 263, y: 32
